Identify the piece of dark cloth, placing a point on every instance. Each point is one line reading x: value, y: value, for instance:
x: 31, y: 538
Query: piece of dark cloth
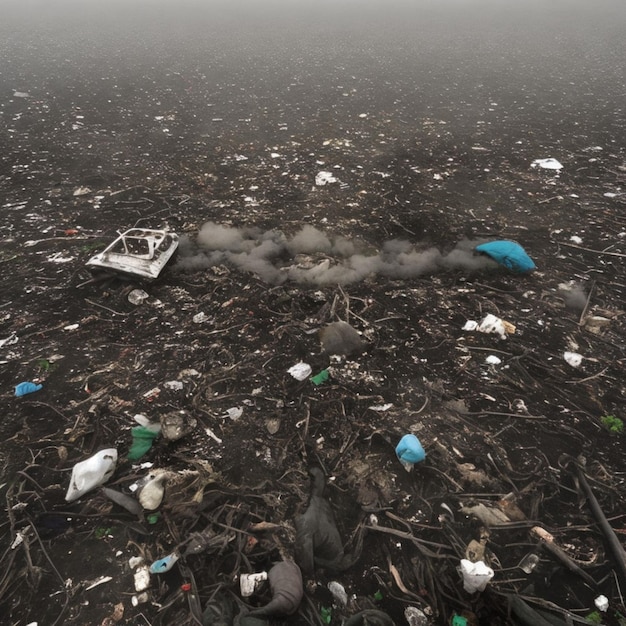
x: 285, y: 580
x: 318, y: 542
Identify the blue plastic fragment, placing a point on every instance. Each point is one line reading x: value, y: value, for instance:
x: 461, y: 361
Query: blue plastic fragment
x: 27, y: 387
x: 509, y: 254
x: 165, y: 564
x: 410, y: 450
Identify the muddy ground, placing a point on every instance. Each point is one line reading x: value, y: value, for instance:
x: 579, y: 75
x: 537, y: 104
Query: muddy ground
x: 234, y: 131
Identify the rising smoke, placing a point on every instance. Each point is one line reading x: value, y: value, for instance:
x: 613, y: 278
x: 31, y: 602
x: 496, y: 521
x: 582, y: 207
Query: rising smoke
x: 277, y: 259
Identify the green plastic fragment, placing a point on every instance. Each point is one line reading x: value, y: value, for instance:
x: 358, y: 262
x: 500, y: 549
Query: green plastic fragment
x: 459, y: 620
x: 326, y: 615
x: 378, y: 596
x: 153, y: 518
x: 142, y: 442
x: 320, y: 378
x: 102, y: 532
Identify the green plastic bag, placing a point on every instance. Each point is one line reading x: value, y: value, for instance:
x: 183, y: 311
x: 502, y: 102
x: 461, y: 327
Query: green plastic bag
x: 320, y: 378
x: 142, y: 442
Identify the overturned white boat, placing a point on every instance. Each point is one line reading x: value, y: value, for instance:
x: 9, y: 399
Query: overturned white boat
x: 138, y: 252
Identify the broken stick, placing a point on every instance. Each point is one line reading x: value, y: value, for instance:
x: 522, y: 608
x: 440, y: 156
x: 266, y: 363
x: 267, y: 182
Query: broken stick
x: 547, y: 542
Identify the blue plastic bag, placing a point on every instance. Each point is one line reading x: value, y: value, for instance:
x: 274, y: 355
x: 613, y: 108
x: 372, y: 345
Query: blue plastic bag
x: 165, y: 564
x: 509, y: 254
x: 27, y: 387
x: 410, y: 450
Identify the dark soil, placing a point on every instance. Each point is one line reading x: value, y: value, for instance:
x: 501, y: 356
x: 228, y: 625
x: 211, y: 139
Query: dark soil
x: 441, y: 154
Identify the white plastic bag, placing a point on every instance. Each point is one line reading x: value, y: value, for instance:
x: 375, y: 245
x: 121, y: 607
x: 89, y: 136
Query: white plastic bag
x: 91, y: 473
x: 475, y: 575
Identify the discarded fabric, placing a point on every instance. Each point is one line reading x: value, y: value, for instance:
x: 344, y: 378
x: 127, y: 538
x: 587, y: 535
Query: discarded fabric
x: 287, y: 589
x: 25, y: 388
x: 509, y: 254
x: 318, y: 543
x: 410, y: 451
x: 91, y: 473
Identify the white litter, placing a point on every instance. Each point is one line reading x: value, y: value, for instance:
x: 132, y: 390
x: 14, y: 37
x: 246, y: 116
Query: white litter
x: 300, y: 371
x: 380, y: 407
x: 199, y: 318
x: 99, y: 581
x: 491, y: 324
x: 475, y: 575
x: 213, y: 436
x: 248, y: 583
x: 415, y: 616
x: 573, y: 358
x: 338, y: 592
x: 142, y: 578
x: 174, y: 385
x: 547, y: 164
x: 19, y: 539
x: 323, y: 178
x: 10, y: 340
x: 137, y: 296
x: 492, y: 359
x: 234, y: 413
x: 91, y: 473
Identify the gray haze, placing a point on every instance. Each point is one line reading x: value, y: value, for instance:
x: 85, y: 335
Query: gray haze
x: 119, y: 90
x: 312, y: 257
x: 312, y: 64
